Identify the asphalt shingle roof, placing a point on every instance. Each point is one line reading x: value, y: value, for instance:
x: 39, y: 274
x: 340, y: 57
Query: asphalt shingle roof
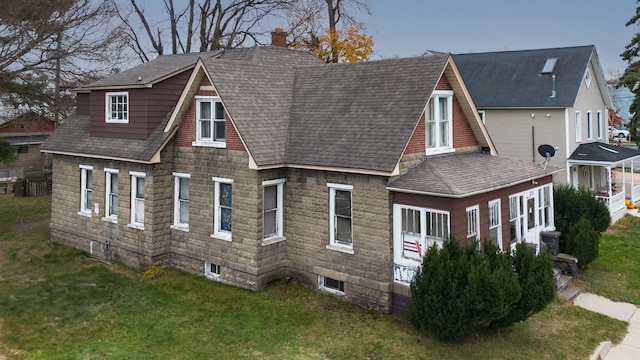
x: 601, y: 152
x: 467, y: 174
x: 513, y: 78
x: 359, y: 115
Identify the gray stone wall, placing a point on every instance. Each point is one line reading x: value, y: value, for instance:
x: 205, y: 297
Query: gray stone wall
x: 245, y: 260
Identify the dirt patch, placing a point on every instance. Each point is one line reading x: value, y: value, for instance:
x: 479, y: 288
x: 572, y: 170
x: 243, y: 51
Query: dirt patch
x: 33, y: 225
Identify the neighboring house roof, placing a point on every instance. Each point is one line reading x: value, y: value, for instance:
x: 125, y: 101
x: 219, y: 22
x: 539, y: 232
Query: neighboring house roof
x: 467, y: 174
x: 602, y: 152
x: 513, y: 79
x: 73, y: 138
x: 25, y: 140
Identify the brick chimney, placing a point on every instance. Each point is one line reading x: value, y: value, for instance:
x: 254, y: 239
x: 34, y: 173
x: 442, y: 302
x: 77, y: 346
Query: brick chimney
x: 279, y: 38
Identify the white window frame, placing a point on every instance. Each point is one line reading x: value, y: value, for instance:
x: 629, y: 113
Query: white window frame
x: 135, y: 201
x: 322, y: 285
x: 439, y: 145
x: 517, y: 216
x: 578, y: 126
x: 589, y: 125
x: 483, y: 116
x: 599, y: 124
x: 109, y: 194
x: 86, y: 190
x: 432, y: 232
x: 108, y: 112
x: 218, y: 232
x: 211, y: 270
x: 279, y: 211
x: 335, y: 244
x: 178, y: 202
x: 545, y: 206
x: 495, y: 221
x: 210, y: 141
x: 473, y: 223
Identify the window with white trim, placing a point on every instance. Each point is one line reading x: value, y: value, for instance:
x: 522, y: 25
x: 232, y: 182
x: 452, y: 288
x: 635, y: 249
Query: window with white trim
x: 599, y: 124
x: 438, y: 122
x: 86, y: 189
x: 495, y: 223
x: 545, y: 209
x: 210, y: 122
x: 415, y: 230
x: 111, y: 193
x: 483, y: 116
x: 181, y: 201
x: 222, y: 208
x: 589, y: 126
x: 412, y: 242
x: 578, y: 125
x: 272, y: 209
x: 340, y: 215
x: 517, y: 217
x: 117, y: 107
x: 137, y: 199
x: 473, y: 223
x: 211, y: 270
x: 331, y: 285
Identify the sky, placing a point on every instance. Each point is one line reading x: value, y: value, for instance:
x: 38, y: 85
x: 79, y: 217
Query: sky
x: 402, y: 28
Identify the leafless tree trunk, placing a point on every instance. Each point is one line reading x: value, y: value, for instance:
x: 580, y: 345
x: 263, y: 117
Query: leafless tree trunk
x: 52, y: 42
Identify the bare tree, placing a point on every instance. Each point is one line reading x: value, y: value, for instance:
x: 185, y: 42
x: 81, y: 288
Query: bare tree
x: 44, y: 43
x: 212, y: 24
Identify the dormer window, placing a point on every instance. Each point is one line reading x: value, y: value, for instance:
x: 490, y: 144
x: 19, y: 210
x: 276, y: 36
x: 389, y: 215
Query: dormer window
x: 117, y: 107
x: 438, y: 122
x: 210, y: 122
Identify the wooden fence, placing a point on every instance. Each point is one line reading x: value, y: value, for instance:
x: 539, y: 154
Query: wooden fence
x: 34, y: 185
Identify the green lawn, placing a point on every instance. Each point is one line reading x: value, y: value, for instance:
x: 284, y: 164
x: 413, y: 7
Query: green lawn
x: 615, y: 273
x: 58, y: 303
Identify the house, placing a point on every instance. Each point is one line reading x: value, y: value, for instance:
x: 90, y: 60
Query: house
x: 27, y: 131
x: 557, y: 97
x: 256, y: 164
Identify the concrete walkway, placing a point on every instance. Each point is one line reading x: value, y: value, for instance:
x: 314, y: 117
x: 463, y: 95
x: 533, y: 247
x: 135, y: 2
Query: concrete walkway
x: 629, y: 348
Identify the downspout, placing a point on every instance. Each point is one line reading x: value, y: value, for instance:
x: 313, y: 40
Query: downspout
x: 533, y: 142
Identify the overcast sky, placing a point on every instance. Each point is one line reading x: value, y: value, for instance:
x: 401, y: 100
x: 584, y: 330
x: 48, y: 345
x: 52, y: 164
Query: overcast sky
x: 409, y: 27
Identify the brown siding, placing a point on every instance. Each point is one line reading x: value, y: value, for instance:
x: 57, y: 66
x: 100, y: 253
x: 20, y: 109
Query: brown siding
x: 148, y: 107
x: 27, y: 123
x: 83, y: 101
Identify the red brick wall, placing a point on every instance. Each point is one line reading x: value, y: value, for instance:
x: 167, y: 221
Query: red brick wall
x: 27, y: 123
x: 187, y: 132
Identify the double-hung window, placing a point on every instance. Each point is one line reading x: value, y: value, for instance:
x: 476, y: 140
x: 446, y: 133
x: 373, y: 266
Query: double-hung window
x: 111, y: 194
x: 86, y: 189
x: 599, y: 124
x: 117, y: 107
x: 137, y: 199
x: 517, y: 217
x: 589, y: 126
x: 340, y: 216
x: 181, y: 201
x: 473, y: 223
x: 578, y: 124
x: 222, y: 205
x: 272, y: 209
x: 495, y: 223
x: 210, y: 122
x: 439, y: 122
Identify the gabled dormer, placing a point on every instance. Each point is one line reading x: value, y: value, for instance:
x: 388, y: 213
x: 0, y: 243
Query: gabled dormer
x: 133, y: 103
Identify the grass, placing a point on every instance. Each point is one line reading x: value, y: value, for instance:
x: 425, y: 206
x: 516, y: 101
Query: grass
x: 615, y: 273
x: 58, y: 303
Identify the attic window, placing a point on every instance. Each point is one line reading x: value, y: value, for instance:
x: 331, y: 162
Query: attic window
x: 587, y: 78
x: 117, y: 107
x: 549, y: 66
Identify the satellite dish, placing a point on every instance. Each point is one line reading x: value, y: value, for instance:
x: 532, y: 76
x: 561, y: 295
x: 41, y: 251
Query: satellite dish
x: 547, y: 151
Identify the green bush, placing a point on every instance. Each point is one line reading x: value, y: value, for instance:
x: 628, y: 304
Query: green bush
x: 583, y: 241
x: 571, y: 204
x: 457, y: 291
x: 535, y: 277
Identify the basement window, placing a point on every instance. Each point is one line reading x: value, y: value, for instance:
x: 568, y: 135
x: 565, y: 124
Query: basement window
x: 331, y: 285
x: 211, y: 270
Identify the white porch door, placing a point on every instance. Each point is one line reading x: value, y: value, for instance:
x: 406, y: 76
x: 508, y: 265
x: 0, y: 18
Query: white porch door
x: 532, y: 228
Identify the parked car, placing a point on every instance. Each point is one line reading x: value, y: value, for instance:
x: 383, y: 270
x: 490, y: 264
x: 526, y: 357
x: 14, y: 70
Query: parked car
x: 618, y: 133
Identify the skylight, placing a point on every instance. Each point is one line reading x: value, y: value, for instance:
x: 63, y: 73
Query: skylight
x: 549, y: 65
